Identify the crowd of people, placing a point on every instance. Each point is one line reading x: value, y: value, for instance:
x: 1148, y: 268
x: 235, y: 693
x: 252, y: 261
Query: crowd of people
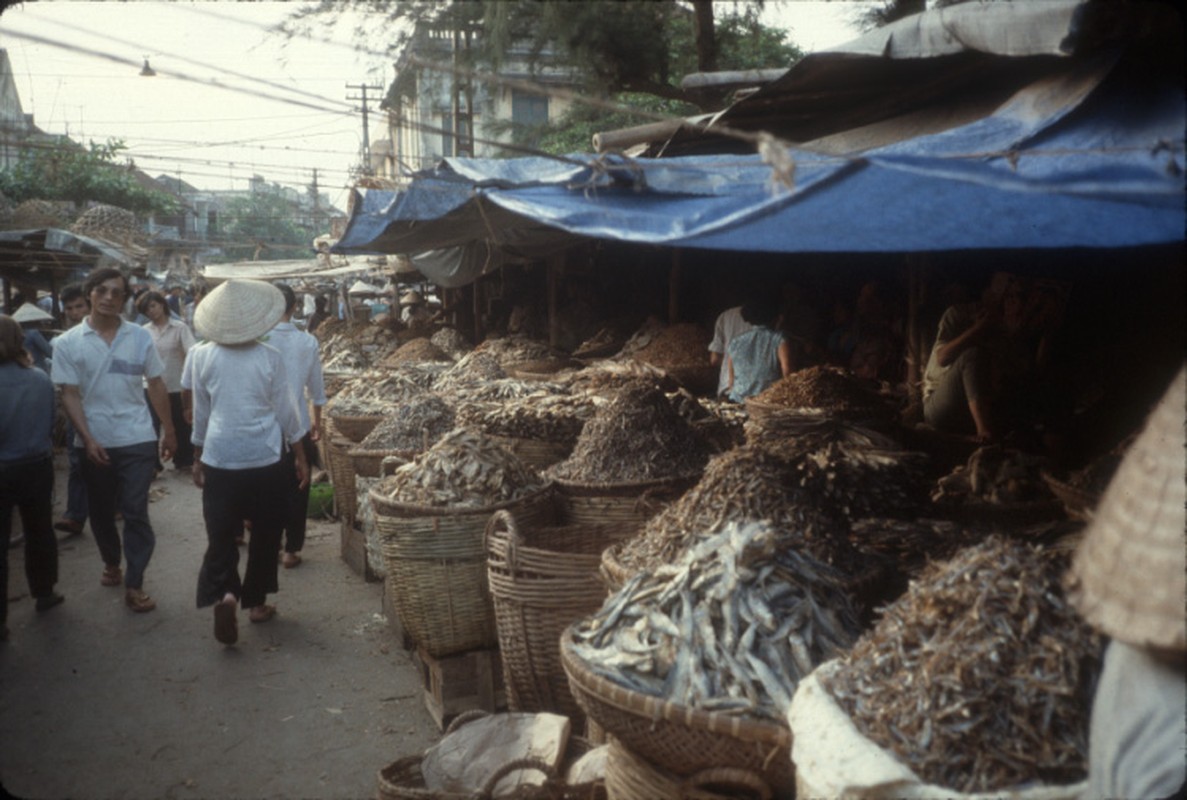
x: 234, y: 396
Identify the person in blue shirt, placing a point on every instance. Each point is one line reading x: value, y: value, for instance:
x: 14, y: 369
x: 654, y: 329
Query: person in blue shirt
x: 760, y: 356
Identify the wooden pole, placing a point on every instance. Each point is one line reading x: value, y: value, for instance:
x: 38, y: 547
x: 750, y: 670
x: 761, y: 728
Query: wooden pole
x: 555, y: 269
x: 674, y: 288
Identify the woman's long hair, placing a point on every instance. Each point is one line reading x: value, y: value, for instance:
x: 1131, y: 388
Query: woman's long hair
x: 12, y: 342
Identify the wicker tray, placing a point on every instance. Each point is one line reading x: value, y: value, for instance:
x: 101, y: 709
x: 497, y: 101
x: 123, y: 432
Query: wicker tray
x: 356, y: 428
x: 1076, y: 502
x: 436, y: 568
x: 619, y: 503
x: 542, y: 580
x: 369, y: 463
x: 679, y: 739
x: 628, y: 777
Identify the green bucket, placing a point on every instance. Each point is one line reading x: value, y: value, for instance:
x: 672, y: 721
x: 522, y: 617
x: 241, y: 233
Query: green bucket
x: 321, y: 500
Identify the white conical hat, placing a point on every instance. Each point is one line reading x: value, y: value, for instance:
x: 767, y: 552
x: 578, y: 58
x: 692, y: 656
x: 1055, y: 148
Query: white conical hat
x: 1129, y: 574
x: 30, y: 313
x: 238, y: 311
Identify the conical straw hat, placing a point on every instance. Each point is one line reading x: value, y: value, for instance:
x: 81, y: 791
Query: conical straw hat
x: 239, y: 311
x: 1129, y: 575
x: 30, y: 313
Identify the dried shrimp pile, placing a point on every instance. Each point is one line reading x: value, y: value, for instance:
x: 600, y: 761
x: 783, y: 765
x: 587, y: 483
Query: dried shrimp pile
x: 979, y: 677
x: 542, y: 416
x: 412, y: 426
x: 463, y: 469
x: 635, y: 437
x: 823, y: 387
x: 681, y: 345
x: 416, y: 350
x: 375, y: 393
x: 732, y: 627
x: 997, y: 475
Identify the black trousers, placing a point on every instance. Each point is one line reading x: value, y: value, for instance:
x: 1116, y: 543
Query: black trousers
x: 230, y: 496
x: 298, y: 505
x: 29, y: 487
x: 184, y: 457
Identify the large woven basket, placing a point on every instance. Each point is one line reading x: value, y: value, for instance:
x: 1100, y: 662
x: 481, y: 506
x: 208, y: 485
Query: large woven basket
x: 629, y: 777
x: 679, y: 739
x: 536, y: 453
x: 403, y: 779
x: 355, y: 428
x: 436, y: 568
x: 342, y: 476
x: 1076, y: 502
x: 369, y: 463
x: 619, y: 503
x: 542, y: 580
x: 613, y: 572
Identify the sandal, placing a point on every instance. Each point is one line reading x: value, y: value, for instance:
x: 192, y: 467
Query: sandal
x: 112, y: 576
x: 262, y: 613
x: 138, y: 601
x: 291, y: 560
x: 226, y: 628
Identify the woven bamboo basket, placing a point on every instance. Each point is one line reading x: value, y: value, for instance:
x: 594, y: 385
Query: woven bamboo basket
x: 346, y: 499
x: 630, y: 777
x: 536, y: 453
x: 404, y: 780
x: 619, y: 503
x: 369, y: 463
x: 542, y: 580
x: 436, y: 568
x: 355, y: 428
x: 679, y: 739
x: 613, y: 572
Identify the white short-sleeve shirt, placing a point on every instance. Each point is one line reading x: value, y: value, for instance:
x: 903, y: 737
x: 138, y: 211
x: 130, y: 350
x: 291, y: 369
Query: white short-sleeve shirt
x: 110, y: 379
x: 302, y: 363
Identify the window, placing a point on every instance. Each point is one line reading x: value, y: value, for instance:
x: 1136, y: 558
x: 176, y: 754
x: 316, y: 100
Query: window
x: 528, y: 109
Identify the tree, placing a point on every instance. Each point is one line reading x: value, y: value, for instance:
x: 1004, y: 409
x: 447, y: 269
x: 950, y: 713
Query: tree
x: 64, y: 170
x: 263, y: 226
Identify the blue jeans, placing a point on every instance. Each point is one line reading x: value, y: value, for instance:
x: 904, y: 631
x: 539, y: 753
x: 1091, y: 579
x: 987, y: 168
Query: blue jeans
x: 123, y: 484
x: 76, y: 490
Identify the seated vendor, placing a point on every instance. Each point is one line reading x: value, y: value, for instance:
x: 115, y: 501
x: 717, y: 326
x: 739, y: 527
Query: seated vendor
x: 760, y: 356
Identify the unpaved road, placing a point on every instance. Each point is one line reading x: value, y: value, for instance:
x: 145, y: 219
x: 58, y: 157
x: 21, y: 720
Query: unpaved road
x: 99, y: 702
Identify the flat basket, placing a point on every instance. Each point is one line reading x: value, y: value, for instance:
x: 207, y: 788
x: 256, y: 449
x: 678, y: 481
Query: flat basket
x: 436, y: 568
x: 679, y: 739
x: 629, y: 504
x: 356, y: 428
x: 542, y: 580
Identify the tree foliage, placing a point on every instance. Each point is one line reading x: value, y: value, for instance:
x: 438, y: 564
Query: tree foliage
x: 66, y: 171
x: 264, y: 226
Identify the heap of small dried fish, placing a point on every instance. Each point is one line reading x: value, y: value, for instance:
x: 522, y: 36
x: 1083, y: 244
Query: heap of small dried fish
x: 452, y: 342
x: 412, y: 426
x: 514, y: 349
x: 416, y: 350
x: 979, y: 678
x: 681, y: 345
x: 732, y: 627
x: 829, y: 388
x: 642, y: 337
x: 474, y: 367
x: 608, y: 377
x: 814, y: 427
x: 463, y: 469
x: 340, y: 353
x: 543, y: 416
x: 910, y: 544
x: 636, y: 437
x: 995, y: 474
x: 502, y: 389
x: 856, y: 481
x: 746, y: 484
x: 375, y: 393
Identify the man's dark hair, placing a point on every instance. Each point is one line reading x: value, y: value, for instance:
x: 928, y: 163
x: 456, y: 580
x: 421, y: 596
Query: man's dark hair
x: 71, y: 292
x: 290, y: 297
x: 151, y: 297
x: 762, y: 309
x: 105, y: 274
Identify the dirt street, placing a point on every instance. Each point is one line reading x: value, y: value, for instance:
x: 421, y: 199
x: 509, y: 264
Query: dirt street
x: 99, y: 702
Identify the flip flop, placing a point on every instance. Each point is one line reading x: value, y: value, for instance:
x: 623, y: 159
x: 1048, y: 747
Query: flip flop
x: 262, y: 613
x: 226, y: 628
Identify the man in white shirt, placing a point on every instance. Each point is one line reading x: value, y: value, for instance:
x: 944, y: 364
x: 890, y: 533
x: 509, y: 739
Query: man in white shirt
x: 729, y: 326
x: 245, y: 418
x: 103, y: 365
x: 302, y: 364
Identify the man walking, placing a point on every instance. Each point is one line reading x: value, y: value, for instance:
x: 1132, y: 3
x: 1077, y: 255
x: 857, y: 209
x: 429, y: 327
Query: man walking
x: 103, y: 365
x: 303, y: 368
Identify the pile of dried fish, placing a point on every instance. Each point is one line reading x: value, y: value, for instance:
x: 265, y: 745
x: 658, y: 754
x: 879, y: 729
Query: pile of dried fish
x: 681, y: 345
x: 416, y: 350
x: 464, y: 469
x: 502, y: 389
x: 474, y: 367
x: 856, y: 481
x: 412, y: 426
x: 636, y: 437
x: 452, y: 342
x: 824, y: 387
x: 743, y: 485
x: 542, y: 416
x: 608, y: 377
x: 375, y: 393
x: 910, y: 544
x: 814, y: 427
x: 995, y: 474
x: 340, y: 353
x: 514, y: 349
x: 732, y: 627
x: 979, y: 678
x: 642, y: 337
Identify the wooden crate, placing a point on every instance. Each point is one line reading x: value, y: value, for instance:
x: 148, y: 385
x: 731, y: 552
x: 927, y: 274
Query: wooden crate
x: 353, y: 547
x: 457, y: 683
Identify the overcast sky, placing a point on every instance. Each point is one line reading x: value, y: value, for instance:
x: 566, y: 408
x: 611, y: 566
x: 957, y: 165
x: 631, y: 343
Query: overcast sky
x: 279, y: 110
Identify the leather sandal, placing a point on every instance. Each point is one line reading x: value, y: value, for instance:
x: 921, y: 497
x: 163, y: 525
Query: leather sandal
x: 226, y: 628
x: 112, y: 576
x: 291, y: 560
x: 138, y: 601
x: 262, y: 613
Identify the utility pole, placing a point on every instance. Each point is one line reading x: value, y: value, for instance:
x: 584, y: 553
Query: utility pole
x: 362, y: 87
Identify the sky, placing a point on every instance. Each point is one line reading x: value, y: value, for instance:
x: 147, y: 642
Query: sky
x: 230, y: 99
